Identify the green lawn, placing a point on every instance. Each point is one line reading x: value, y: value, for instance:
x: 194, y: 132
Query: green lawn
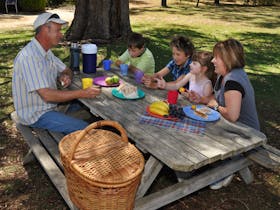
x: 258, y: 28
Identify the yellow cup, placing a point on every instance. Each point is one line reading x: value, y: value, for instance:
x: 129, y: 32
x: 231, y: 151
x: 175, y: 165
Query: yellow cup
x: 87, y: 82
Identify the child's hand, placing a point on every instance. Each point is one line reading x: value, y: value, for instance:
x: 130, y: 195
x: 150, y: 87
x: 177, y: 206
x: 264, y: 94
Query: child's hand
x: 160, y: 83
x: 194, y: 97
x: 185, y: 93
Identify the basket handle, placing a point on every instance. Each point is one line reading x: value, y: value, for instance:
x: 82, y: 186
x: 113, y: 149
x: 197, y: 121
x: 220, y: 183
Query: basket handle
x: 94, y: 125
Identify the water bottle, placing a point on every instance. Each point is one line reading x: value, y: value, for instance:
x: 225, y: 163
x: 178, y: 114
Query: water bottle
x: 89, y: 52
x: 75, y: 58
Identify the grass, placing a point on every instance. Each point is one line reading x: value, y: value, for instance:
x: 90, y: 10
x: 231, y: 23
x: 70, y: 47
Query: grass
x: 256, y: 27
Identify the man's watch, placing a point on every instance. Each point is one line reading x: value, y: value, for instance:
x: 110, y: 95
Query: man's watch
x: 216, y: 107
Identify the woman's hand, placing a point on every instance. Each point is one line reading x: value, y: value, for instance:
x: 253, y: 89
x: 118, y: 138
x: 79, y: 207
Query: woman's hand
x: 212, y: 103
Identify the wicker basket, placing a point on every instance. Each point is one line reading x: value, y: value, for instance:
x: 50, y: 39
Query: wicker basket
x: 102, y: 169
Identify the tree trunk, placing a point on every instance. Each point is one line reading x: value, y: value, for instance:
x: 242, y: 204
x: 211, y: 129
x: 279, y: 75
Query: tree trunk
x: 100, y: 20
x: 164, y: 3
x: 217, y: 2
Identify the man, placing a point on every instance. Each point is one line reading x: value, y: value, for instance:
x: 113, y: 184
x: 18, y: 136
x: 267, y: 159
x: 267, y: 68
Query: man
x: 36, y: 70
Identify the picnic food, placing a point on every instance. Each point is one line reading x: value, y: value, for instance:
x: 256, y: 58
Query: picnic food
x: 182, y: 89
x: 176, y: 111
x: 160, y: 108
x: 112, y: 80
x: 129, y: 91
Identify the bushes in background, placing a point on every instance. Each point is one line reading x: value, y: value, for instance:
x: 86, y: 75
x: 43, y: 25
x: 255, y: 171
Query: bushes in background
x: 32, y: 5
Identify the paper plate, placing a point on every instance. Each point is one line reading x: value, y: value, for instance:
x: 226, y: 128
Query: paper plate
x: 159, y: 116
x: 211, y: 116
x: 118, y: 94
x: 101, y: 82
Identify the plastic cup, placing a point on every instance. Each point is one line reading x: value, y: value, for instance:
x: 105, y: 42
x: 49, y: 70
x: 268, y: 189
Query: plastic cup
x: 138, y: 75
x: 87, y: 82
x: 124, y: 69
x: 107, y: 65
x: 172, y: 96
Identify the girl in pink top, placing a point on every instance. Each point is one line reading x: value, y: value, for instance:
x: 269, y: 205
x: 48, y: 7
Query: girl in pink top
x: 201, y: 77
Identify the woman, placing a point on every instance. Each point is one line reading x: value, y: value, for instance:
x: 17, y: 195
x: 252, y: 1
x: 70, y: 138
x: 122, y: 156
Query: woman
x: 233, y: 95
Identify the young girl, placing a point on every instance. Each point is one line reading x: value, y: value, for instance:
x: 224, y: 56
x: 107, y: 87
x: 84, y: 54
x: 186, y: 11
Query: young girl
x: 200, y: 77
x: 182, y: 50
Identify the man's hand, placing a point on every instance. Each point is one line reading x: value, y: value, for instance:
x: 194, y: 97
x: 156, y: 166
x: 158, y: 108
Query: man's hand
x: 91, y: 92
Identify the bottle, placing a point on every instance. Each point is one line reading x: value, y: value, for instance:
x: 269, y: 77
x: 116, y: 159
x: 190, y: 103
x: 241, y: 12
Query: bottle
x: 89, y: 52
x: 75, y: 58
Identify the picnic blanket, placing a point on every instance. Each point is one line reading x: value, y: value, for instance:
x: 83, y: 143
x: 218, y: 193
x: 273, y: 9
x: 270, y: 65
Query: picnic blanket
x: 186, y: 125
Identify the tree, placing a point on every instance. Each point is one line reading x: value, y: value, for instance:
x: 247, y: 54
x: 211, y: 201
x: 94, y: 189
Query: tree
x: 164, y: 3
x: 100, y: 20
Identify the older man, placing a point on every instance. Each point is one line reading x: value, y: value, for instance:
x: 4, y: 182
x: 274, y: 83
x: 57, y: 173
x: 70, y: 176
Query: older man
x: 36, y: 70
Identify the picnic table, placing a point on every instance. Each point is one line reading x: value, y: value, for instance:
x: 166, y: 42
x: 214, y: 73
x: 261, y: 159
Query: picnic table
x: 218, y: 150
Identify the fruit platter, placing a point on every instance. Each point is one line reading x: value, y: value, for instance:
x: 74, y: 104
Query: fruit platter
x: 163, y: 110
x: 107, y: 81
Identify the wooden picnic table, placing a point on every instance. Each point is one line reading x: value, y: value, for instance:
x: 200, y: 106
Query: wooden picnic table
x: 217, y: 153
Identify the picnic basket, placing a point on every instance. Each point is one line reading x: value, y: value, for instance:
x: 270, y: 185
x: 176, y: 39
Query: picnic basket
x: 102, y: 169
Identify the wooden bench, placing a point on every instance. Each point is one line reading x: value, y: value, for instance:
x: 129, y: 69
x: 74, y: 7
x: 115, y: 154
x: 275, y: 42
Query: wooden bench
x: 44, y: 146
x: 266, y: 155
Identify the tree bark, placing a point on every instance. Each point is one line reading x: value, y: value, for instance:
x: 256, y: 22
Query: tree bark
x: 100, y: 21
x: 164, y: 3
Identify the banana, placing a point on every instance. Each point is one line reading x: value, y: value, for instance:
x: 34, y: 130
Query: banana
x: 157, y: 111
x: 160, y: 105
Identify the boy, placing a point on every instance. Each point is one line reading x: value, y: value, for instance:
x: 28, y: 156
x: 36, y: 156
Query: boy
x: 137, y: 56
x: 182, y: 50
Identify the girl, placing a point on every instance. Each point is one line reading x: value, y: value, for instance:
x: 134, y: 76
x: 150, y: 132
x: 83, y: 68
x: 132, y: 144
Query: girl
x: 200, y: 77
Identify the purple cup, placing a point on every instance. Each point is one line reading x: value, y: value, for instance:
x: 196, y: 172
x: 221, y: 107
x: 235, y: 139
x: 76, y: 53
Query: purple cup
x: 138, y: 75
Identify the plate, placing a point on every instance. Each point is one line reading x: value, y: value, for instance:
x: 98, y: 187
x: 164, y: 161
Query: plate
x: 159, y: 116
x: 118, y: 94
x: 101, y: 82
x: 212, y: 116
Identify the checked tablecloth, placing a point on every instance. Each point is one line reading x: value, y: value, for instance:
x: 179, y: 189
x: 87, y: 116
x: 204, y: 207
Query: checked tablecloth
x: 186, y: 125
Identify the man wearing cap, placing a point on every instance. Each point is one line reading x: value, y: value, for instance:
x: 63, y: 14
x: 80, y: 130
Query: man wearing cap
x: 36, y: 70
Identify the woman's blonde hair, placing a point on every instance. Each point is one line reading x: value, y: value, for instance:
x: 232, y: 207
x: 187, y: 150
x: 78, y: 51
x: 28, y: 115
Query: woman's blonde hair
x: 231, y: 52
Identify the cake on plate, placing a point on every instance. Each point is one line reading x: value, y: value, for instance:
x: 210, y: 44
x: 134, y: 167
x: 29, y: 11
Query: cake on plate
x: 128, y: 91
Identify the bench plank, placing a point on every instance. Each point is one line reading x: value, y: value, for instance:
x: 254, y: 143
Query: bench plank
x: 266, y: 156
x: 48, y: 164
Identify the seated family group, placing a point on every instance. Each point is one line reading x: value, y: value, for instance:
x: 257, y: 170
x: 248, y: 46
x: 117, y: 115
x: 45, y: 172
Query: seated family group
x: 217, y: 78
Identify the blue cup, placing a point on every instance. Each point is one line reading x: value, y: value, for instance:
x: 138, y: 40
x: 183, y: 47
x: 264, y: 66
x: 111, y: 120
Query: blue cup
x: 107, y: 65
x: 124, y: 69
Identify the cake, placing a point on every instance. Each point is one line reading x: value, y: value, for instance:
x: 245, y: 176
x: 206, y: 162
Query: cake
x: 128, y: 91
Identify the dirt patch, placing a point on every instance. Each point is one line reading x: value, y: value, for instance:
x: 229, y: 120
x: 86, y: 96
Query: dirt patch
x: 13, y: 21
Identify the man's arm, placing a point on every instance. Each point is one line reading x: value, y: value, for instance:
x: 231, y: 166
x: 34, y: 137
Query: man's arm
x: 53, y: 95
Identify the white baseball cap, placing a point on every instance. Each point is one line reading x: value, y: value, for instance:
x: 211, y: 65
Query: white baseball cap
x: 48, y: 17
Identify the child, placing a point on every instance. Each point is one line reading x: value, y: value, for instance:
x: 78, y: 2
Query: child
x: 200, y: 77
x: 182, y: 50
x: 137, y: 56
